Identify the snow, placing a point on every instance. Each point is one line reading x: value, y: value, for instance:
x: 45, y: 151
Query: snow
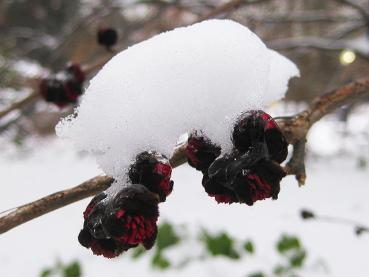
x: 196, y: 77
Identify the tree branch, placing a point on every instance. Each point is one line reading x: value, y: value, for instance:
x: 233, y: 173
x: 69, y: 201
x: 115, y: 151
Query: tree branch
x: 317, y: 43
x: 363, y: 12
x: 304, y: 17
x: 295, y: 129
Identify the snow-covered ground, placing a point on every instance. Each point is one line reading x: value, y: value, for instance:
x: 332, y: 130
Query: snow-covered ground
x: 335, y: 186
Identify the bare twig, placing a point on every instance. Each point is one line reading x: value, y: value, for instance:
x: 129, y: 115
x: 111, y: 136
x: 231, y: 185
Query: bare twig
x: 363, y: 12
x: 62, y: 198
x: 296, y: 165
x: 317, y: 43
x: 226, y: 8
x: 295, y: 129
x: 304, y: 17
x: 17, y: 105
x: 54, y: 201
x: 359, y: 228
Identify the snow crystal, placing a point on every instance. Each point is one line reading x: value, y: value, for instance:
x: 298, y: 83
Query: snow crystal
x: 196, y: 77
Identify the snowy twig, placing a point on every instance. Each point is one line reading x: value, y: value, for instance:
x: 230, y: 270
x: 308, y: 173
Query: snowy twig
x: 295, y: 129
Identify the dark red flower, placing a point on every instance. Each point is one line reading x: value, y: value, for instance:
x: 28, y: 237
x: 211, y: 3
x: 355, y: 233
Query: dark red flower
x: 131, y: 217
x: 152, y: 170
x: 306, y: 214
x: 63, y: 88
x: 109, y: 248
x: 215, y: 189
x: 243, y: 178
x: 76, y: 71
x: 107, y: 37
x: 258, y: 182
x: 114, y: 224
x: 200, y: 151
x: 256, y: 126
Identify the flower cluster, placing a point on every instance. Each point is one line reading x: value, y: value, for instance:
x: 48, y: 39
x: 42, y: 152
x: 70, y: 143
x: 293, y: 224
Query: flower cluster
x: 116, y: 223
x: 251, y: 172
x: 63, y: 88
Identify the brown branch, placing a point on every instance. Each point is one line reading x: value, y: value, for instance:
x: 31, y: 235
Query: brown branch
x: 63, y: 198
x: 363, y: 12
x: 318, y: 43
x: 17, y: 105
x: 295, y: 129
x: 337, y: 98
x: 304, y: 17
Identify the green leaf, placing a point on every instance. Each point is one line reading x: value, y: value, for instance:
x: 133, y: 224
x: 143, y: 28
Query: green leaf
x: 280, y: 269
x: 72, y: 270
x: 159, y: 261
x: 220, y: 245
x: 138, y: 252
x: 166, y: 236
x: 297, y: 260
x: 249, y: 247
x: 46, y: 272
x: 256, y: 274
x: 287, y: 243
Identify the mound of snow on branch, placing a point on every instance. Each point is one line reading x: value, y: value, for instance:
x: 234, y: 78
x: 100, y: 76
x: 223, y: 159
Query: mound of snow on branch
x: 196, y: 77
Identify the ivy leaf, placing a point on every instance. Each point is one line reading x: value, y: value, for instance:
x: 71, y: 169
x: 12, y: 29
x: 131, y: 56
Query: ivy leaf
x: 72, y: 270
x: 46, y: 272
x: 280, y: 270
x: 159, y: 261
x: 138, y: 252
x: 256, y: 274
x: 298, y: 259
x: 220, y: 245
x: 249, y: 247
x: 287, y: 243
x: 166, y: 236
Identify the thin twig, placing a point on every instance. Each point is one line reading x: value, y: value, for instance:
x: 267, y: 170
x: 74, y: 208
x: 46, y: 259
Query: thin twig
x: 17, y: 105
x: 363, y: 12
x: 62, y: 198
x: 318, y: 43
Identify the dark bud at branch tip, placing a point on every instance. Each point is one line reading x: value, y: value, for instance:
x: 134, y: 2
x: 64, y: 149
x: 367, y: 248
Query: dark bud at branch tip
x: 107, y: 37
x: 256, y: 126
x: 114, y: 224
x: 63, y: 88
x: 359, y: 230
x: 152, y: 170
x: 200, y: 151
x: 305, y: 214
